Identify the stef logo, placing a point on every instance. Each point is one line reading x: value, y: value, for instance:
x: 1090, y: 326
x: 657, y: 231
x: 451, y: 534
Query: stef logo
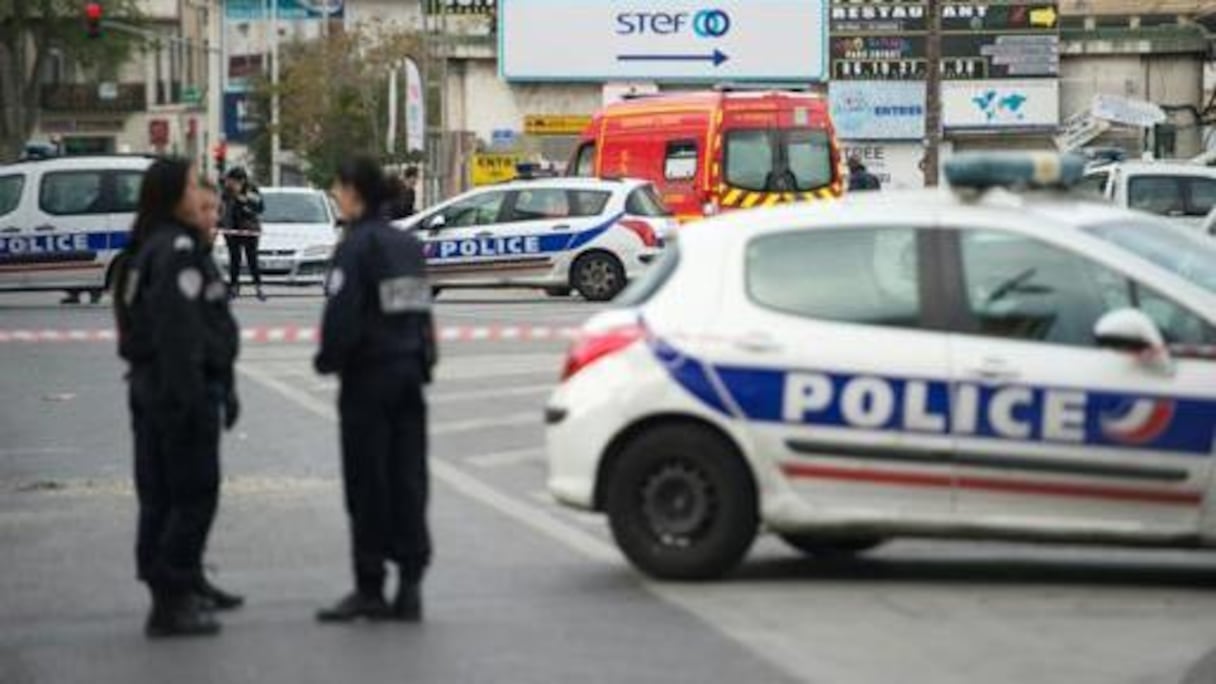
x: 711, y: 23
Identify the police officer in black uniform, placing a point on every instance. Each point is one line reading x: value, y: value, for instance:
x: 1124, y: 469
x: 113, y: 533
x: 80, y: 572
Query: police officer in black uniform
x: 179, y: 337
x: 378, y: 336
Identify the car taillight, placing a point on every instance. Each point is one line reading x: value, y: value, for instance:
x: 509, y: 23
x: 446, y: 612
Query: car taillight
x: 591, y: 347
x: 643, y: 230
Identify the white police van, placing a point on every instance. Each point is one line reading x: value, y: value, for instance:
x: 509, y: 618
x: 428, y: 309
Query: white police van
x: 63, y: 219
x: 558, y: 234
x: 982, y: 364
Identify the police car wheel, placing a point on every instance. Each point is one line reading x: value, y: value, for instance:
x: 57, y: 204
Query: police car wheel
x: 831, y: 547
x: 598, y: 276
x: 681, y: 504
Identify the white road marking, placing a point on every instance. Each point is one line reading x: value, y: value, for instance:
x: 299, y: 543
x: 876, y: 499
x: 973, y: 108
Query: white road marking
x: 38, y: 451
x: 455, y: 367
x: 506, y: 458
x: 542, y: 522
x: 475, y: 424
x: 478, y: 395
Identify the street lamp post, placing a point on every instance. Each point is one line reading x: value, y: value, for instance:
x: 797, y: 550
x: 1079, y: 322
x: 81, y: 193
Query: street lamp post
x: 275, y: 141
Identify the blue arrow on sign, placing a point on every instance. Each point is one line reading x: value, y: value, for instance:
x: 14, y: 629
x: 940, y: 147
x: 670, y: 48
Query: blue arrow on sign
x: 717, y: 57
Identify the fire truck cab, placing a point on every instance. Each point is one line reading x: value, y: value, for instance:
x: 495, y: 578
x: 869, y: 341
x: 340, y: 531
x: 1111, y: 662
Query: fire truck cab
x: 717, y: 150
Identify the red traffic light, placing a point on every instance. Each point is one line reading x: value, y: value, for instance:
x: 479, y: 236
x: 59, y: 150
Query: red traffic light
x: 92, y: 18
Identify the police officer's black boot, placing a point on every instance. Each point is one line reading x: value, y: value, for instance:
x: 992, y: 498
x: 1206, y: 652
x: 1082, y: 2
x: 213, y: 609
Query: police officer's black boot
x: 215, y: 598
x: 178, y: 615
x: 356, y: 606
x: 407, y: 606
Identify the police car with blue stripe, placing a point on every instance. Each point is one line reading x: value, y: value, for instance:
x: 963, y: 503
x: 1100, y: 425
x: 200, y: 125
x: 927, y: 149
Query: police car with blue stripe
x: 63, y: 219
x: 980, y: 362
x: 558, y: 234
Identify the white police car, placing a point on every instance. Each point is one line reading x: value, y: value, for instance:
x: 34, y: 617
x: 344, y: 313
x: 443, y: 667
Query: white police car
x: 984, y: 364
x: 63, y: 219
x: 559, y: 234
x: 298, y: 237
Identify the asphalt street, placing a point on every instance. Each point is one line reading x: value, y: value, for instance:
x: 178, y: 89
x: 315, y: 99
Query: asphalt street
x: 521, y: 590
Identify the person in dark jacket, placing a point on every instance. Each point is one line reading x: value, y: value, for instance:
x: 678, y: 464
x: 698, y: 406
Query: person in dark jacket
x: 377, y: 334
x: 860, y: 178
x: 180, y: 341
x: 241, y: 221
x: 402, y: 196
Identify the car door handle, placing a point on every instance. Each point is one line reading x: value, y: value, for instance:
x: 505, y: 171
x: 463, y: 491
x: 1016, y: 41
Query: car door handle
x: 758, y: 343
x: 44, y: 228
x: 10, y: 229
x: 484, y: 234
x: 994, y: 371
x: 564, y: 226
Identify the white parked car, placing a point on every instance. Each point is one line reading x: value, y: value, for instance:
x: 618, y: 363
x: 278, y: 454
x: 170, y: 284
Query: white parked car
x: 1181, y: 193
x: 982, y: 365
x: 63, y: 219
x: 558, y: 234
x: 299, y: 232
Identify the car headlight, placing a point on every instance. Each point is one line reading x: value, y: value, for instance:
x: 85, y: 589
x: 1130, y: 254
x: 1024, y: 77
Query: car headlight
x: 316, y: 252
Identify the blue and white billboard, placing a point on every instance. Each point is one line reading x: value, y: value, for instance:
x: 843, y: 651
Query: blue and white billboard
x: 663, y: 40
x: 878, y: 110
x: 254, y: 10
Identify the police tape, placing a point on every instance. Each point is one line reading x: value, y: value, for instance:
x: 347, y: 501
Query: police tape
x: 309, y: 334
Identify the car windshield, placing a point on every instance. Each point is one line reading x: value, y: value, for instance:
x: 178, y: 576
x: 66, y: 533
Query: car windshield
x: 1191, y: 256
x: 294, y: 207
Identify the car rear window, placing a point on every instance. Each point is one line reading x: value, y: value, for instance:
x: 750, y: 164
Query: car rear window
x: 10, y: 192
x: 645, y: 201
x: 588, y: 202
x: 1172, y: 195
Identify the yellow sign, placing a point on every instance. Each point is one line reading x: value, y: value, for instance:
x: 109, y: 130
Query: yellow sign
x: 1044, y: 17
x: 555, y: 124
x: 488, y: 169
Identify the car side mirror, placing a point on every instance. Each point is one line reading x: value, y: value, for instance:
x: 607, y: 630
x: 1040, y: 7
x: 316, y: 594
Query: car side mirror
x: 436, y: 222
x: 1131, y: 331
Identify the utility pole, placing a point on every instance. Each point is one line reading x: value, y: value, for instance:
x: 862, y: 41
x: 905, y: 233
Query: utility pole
x: 933, y: 93
x: 275, y: 172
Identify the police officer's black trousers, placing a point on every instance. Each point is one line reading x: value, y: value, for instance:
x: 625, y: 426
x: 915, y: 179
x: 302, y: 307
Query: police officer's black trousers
x: 177, y: 477
x: 383, y: 415
x: 243, y: 248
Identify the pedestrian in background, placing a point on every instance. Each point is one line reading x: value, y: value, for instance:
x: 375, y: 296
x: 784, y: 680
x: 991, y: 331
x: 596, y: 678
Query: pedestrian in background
x: 402, y: 196
x: 860, y: 178
x: 242, y: 225
x: 377, y: 334
x: 177, y: 335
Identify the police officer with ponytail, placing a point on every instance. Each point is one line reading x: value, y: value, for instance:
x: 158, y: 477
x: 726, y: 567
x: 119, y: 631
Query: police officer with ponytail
x: 377, y: 335
x: 179, y: 338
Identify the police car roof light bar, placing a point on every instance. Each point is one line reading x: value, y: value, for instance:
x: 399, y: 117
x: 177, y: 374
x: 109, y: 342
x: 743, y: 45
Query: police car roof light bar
x: 1014, y: 170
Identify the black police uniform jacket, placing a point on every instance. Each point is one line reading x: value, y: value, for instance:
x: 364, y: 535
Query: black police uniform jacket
x: 175, y: 321
x: 379, y: 307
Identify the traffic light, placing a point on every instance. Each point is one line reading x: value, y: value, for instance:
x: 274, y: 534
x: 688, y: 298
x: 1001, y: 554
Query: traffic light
x: 92, y: 19
x: 221, y: 158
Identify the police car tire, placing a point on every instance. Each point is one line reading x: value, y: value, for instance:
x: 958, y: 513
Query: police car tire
x: 733, y: 525
x: 581, y: 270
x: 828, y: 547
